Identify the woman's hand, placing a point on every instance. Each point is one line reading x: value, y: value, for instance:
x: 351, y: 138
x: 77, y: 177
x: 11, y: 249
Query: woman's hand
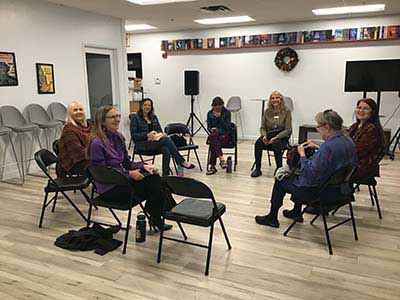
x: 150, y: 168
x: 265, y: 140
x: 310, y: 144
x: 272, y: 140
x: 301, y: 151
x: 151, y: 135
x: 136, y: 175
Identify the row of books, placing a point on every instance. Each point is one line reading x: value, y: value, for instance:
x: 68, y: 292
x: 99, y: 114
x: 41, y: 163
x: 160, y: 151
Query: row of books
x: 300, y: 37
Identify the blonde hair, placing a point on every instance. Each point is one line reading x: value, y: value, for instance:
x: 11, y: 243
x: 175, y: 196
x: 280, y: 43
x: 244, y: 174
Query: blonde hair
x: 282, y: 105
x: 70, y: 119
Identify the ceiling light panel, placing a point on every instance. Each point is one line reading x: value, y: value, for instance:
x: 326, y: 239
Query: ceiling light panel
x: 133, y: 27
x: 349, y: 9
x: 226, y: 20
x: 155, y: 2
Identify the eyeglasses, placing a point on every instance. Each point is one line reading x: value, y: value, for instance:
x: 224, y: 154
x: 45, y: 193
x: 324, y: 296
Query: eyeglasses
x: 319, y: 126
x: 114, y: 117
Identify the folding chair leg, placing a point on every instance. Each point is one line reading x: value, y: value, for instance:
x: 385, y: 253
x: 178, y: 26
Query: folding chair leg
x: 289, y: 228
x: 253, y: 166
x: 269, y: 158
x: 225, y: 234
x: 43, y: 209
x: 209, y: 249
x: 198, y: 160
x: 128, y: 224
x: 314, y: 219
x: 371, y: 195
x: 54, y: 203
x: 89, y: 215
x: 161, y: 240
x: 182, y: 231
x: 378, y: 207
x: 353, y: 221
x: 328, y: 240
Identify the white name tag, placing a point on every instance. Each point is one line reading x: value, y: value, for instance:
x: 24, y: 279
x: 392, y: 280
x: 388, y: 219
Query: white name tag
x: 276, y: 117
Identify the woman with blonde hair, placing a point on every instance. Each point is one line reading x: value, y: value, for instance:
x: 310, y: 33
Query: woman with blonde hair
x: 108, y: 148
x: 73, y: 143
x: 275, y: 131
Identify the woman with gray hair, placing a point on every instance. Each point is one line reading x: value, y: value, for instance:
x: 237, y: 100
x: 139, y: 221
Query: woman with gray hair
x: 73, y: 143
x: 337, y: 152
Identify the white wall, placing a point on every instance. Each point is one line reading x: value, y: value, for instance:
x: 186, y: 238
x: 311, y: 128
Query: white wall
x: 315, y: 84
x: 37, y: 31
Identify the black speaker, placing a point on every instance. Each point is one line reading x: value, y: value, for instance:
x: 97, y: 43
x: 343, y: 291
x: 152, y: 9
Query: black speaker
x: 191, y: 83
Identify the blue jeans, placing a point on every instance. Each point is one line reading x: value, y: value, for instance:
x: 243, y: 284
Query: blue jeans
x: 169, y: 149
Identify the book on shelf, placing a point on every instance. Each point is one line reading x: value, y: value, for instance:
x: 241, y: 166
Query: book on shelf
x: 321, y: 35
x: 292, y: 37
x: 242, y: 41
x: 164, y: 45
x: 199, y: 43
x: 369, y: 33
x: 338, y: 36
x: 171, y: 45
x: 306, y: 36
x: 353, y: 34
x: 223, y: 42
x: 233, y: 42
x: 210, y: 43
x: 180, y: 44
x: 393, y: 32
x: 265, y: 39
x: 254, y: 40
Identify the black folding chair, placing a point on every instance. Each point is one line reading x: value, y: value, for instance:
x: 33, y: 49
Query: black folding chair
x: 108, y: 175
x: 199, y: 209
x: 344, y: 197
x: 44, y: 160
x: 181, y: 130
x: 233, y: 145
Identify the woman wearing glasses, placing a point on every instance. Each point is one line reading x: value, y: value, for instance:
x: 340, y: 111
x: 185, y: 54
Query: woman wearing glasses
x: 275, y: 131
x: 147, y: 134
x: 108, y: 148
x: 367, y: 134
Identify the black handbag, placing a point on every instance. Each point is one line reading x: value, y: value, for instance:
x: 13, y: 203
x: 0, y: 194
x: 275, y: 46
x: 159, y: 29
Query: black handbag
x: 178, y: 140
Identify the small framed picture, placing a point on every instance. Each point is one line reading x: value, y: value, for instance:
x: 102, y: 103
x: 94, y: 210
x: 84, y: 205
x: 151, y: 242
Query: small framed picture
x: 8, y: 69
x: 45, y: 78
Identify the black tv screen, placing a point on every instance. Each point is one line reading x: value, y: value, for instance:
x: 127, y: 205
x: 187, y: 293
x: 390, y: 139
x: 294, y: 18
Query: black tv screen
x: 373, y: 76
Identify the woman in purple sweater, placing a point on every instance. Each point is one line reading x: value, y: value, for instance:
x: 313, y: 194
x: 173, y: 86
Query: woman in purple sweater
x: 108, y: 148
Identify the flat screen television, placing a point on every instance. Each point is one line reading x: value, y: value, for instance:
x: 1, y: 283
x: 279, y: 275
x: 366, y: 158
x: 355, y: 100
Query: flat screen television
x: 373, y: 76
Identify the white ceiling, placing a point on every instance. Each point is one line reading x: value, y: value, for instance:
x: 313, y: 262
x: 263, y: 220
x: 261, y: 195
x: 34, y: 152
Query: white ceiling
x: 180, y: 16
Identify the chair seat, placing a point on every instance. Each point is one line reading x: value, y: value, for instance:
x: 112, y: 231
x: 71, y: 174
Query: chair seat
x: 24, y: 128
x: 68, y: 184
x: 148, y: 153
x: 188, y: 147
x: 120, y: 205
x: 4, y: 131
x: 195, y: 211
x: 366, y: 181
x: 45, y: 125
x: 330, y: 206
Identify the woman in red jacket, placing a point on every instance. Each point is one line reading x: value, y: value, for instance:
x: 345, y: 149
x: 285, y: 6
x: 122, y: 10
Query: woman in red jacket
x: 367, y: 134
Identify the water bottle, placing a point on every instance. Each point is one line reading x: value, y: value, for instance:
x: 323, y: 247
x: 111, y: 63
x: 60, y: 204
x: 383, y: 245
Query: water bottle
x: 229, y: 165
x: 180, y: 171
x: 140, y: 227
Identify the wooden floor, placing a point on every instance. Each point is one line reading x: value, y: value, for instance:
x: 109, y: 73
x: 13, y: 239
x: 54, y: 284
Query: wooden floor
x: 261, y: 265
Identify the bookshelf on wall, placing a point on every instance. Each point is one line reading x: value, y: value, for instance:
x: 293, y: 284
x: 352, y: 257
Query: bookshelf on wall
x: 327, y: 36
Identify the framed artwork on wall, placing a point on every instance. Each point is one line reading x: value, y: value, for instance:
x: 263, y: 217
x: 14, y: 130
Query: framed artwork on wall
x: 45, y: 78
x: 8, y: 69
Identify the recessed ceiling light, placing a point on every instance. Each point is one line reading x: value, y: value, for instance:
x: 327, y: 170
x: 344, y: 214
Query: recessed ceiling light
x: 155, y: 2
x: 132, y: 27
x: 349, y: 9
x: 225, y: 20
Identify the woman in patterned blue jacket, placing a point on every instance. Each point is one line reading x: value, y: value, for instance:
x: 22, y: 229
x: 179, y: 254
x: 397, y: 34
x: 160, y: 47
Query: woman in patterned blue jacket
x: 147, y: 134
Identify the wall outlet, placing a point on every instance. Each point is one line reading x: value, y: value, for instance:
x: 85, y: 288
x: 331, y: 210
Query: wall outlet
x: 157, y: 81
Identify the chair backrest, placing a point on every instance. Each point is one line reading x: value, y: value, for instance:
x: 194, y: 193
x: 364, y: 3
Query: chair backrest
x: 234, y: 133
x: 12, y: 117
x: 176, y: 128
x: 36, y: 113
x: 107, y: 175
x: 289, y: 103
x: 44, y: 158
x: 341, y: 178
x: 234, y: 103
x: 57, y: 111
x: 56, y: 148
x: 187, y: 187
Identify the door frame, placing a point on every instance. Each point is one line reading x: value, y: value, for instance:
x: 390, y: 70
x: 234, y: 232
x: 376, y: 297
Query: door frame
x: 112, y: 52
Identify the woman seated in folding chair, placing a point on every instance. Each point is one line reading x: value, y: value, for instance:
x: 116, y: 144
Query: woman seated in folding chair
x: 147, y: 134
x: 275, y: 131
x: 108, y: 148
x: 337, y: 152
x: 367, y: 134
x: 74, y: 142
x: 219, y: 126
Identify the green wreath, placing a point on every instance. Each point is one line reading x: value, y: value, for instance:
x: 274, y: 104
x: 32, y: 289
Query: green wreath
x: 286, y: 59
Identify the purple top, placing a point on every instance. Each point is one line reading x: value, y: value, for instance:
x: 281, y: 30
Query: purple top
x: 337, y: 152
x: 115, y: 155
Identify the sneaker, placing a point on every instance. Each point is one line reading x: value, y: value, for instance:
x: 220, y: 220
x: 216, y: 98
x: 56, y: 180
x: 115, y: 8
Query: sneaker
x: 256, y: 173
x: 291, y: 214
x: 222, y: 164
x: 267, y: 220
x: 211, y: 171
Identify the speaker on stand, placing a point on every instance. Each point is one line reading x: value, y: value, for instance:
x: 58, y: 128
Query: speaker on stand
x: 191, y: 89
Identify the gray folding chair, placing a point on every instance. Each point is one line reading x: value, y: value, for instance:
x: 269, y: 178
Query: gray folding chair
x: 37, y: 115
x: 57, y: 111
x: 13, y: 119
x: 234, y: 105
x: 6, y: 134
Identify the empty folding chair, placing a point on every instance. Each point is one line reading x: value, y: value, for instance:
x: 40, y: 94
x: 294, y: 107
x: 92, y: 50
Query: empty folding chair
x: 13, y: 119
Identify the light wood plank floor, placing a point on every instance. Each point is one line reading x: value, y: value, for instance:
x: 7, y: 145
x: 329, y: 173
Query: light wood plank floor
x: 261, y: 265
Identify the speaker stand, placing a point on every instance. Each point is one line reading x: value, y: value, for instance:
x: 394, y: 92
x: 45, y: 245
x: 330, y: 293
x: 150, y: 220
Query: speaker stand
x: 191, y: 119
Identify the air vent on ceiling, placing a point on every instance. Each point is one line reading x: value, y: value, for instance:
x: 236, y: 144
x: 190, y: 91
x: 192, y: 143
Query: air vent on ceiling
x: 216, y: 9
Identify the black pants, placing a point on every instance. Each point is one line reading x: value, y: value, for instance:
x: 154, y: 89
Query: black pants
x: 148, y: 189
x: 277, y: 147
